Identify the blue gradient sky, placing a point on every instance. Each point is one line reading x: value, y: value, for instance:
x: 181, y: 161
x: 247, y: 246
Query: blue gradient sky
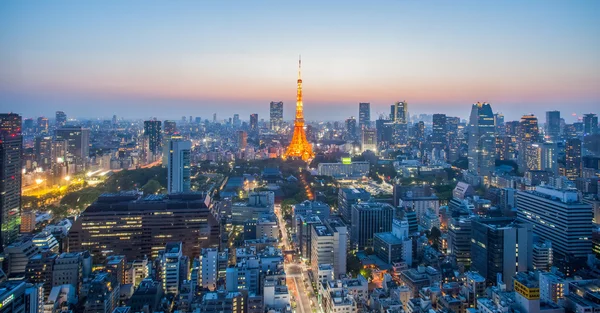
x: 168, y: 59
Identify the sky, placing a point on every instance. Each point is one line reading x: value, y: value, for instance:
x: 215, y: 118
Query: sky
x: 166, y: 59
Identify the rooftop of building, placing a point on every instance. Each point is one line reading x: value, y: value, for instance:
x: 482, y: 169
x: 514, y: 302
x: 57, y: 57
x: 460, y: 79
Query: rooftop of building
x: 372, y: 206
x: 475, y: 277
x: 322, y: 230
x: 557, y: 195
x: 114, y: 259
x: 7, y: 287
x: 529, y: 280
x: 325, y: 267
x: 340, y: 298
x: 173, y: 247
x: 389, y: 238
x: 310, y: 219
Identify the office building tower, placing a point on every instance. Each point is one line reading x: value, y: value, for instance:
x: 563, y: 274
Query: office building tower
x: 242, y: 138
x: 39, y: 270
x: 61, y: 119
x: 573, y: 159
x: 152, y: 129
x: 452, y: 138
x: 70, y: 268
x: 392, y: 249
x: 559, y: 217
x: 254, y: 124
x: 18, y: 254
x: 527, y: 134
x: 43, y: 152
x: 347, y: 197
x: 364, y: 115
x: 329, y: 246
x: 222, y: 301
x: 103, y: 294
x: 11, y: 152
x: 276, y: 115
x: 170, y: 128
x: 499, y: 122
x: 438, y: 135
x: 209, y: 268
x: 42, y: 125
x: 317, y: 208
x: 236, y: 120
x: 552, y: 125
x: 171, y: 266
x: 19, y: 296
x: 399, y: 112
x: 134, y: 226
x: 369, y: 218
x: 552, y: 287
x: 590, y: 124
x: 482, y: 140
x: 351, y: 129
x: 179, y: 166
x: 550, y: 157
x: 369, y: 140
x: 500, y: 245
x: 78, y: 143
x: 385, y: 133
x: 542, y: 256
x: 459, y: 239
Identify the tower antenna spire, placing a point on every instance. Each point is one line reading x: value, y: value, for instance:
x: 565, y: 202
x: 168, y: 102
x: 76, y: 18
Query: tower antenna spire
x: 299, y: 66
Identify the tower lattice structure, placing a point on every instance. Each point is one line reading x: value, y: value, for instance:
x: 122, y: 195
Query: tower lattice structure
x: 299, y: 147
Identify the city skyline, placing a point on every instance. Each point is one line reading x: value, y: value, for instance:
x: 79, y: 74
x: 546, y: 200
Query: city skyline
x: 97, y: 59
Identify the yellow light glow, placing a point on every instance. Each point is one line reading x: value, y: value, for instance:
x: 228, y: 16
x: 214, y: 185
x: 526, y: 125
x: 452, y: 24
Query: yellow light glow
x: 39, y: 181
x: 67, y: 178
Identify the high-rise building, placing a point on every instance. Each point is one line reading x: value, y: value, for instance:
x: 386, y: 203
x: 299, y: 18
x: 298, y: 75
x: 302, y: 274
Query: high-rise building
x: 500, y: 245
x: 499, y: 121
x: 527, y: 134
x: 236, y: 120
x: 254, y: 124
x: 61, y: 119
x: 43, y: 152
x: 550, y: 157
x: 369, y: 218
x: 459, y: 239
x: 590, y: 124
x: 439, y: 132
x: 482, y: 141
x: 42, y: 125
x: 170, y: 128
x: 11, y: 151
x: 369, y: 140
x: 347, y: 197
x: 132, y: 225
x: 559, y: 217
x: 179, y: 166
x: 103, y: 294
x: 329, y: 246
x: 78, y: 142
x: 364, y: 115
x: 351, y: 129
x: 453, y: 138
x: 276, y: 115
x: 171, y: 265
x: 552, y: 125
x: 299, y: 146
x: 399, y: 112
x: 573, y: 159
x: 242, y: 139
x: 152, y: 129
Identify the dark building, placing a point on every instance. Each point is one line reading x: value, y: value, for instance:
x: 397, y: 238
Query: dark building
x: 78, y: 142
x: 590, y: 124
x: 103, y: 295
x: 369, y: 218
x: 438, y: 135
x: 276, y: 115
x: 11, y: 151
x: 573, y: 159
x: 133, y: 226
x: 351, y: 129
x: 364, y: 115
x: 348, y: 197
x: 61, y: 119
x: 152, y: 129
x: 170, y: 128
x: 39, y: 270
x: 148, y: 294
x: 552, y: 125
x: 254, y: 124
x: 43, y: 151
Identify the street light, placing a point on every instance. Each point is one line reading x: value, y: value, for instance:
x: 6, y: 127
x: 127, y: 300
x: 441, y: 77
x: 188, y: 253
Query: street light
x: 67, y: 178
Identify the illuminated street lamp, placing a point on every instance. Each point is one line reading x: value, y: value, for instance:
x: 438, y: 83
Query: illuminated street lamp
x: 39, y: 181
x: 67, y: 178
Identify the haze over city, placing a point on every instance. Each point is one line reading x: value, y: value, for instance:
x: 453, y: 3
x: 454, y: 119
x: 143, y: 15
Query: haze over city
x: 98, y: 58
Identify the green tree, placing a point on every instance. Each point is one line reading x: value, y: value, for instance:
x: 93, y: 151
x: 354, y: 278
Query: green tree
x: 151, y: 187
x: 353, y: 264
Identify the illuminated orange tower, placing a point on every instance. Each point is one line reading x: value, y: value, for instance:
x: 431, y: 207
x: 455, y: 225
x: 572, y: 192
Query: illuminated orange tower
x: 299, y: 147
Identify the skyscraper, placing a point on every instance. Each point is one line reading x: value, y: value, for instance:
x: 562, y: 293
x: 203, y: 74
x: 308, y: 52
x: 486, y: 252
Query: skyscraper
x: 369, y: 218
x: 42, y: 125
x: 399, y: 112
x: 351, y: 128
x: 482, y: 141
x: 573, y: 159
x: 527, y: 134
x: 558, y: 216
x: 438, y: 136
x: 500, y: 245
x: 61, y: 119
x: 552, y: 125
x: 590, y: 124
x: 11, y: 149
x: 254, y: 124
x: 276, y: 115
x: 152, y: 129
x: 242, y: 139
x: 179, y: 166
x: 299, y: 147
x: 78, y: 142
x: 364, y: 115
x: 170, y: 128
x: 236, y: 120
x: 369, y: 140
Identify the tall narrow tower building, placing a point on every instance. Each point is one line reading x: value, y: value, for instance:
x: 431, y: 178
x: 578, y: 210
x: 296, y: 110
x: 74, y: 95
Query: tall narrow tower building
x: 299, y: 147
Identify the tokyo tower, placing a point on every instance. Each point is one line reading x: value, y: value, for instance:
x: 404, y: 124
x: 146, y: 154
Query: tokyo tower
x: 299, y: 147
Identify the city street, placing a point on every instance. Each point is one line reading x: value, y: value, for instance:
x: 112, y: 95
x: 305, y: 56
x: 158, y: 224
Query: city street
x: 294, y: 271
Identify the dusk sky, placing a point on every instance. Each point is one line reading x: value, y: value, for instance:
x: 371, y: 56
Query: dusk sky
x: 166, y: 59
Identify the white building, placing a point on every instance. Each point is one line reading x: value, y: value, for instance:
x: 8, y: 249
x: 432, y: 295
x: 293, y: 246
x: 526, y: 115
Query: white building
x: 552, y: 287
x: 178, y: 164
x: 344, y: 170
x: 208, y: 272
x: 329, y: 245
x: 275, y: 292
x: 542, y: 255
x: 171, y: 263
